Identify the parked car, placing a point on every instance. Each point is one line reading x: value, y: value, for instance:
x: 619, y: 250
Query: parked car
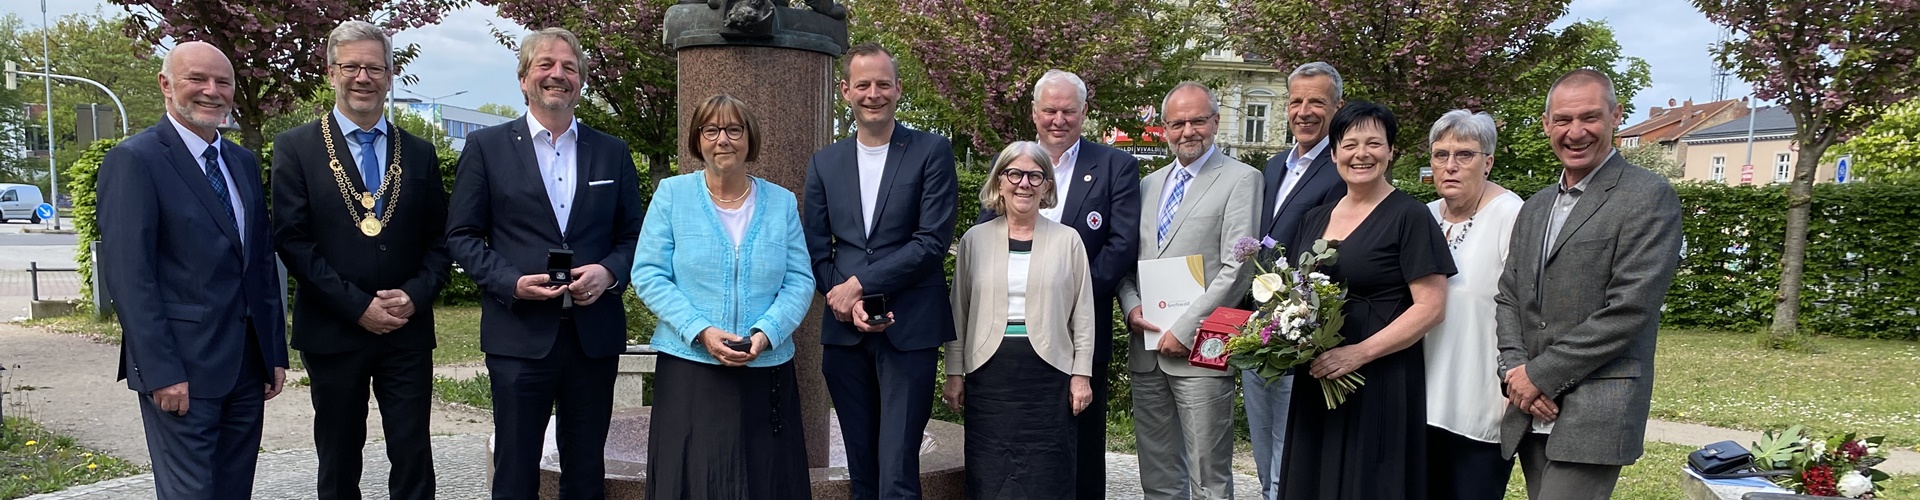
x: 17, y: 202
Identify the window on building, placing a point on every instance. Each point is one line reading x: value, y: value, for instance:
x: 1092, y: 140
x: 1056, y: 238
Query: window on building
x: 1719, y: 172
x: 1782, y: 166
x: 1630, y: 142
x: 1255, y: 127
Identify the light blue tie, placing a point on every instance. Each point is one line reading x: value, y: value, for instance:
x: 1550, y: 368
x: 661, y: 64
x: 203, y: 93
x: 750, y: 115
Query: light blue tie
x: 1173, y: 203
x: 370, y: 170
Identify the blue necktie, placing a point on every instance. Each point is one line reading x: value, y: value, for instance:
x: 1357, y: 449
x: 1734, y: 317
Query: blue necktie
x: 370, y: 170
x: 1173, y: 203
x: 219, y: 181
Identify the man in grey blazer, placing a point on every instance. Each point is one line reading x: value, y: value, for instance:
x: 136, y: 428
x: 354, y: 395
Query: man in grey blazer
x: 1202, y: 203
x: 1579, y: 302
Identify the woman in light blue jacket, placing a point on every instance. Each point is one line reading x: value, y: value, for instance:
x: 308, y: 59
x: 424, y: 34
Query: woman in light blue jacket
x: 722, y: 262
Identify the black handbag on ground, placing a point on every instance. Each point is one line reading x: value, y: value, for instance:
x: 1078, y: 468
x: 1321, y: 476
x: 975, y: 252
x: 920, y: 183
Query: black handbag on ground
x: 1726, y: 460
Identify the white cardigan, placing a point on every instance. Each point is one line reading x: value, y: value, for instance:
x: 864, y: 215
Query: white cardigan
x: 1059, y: 305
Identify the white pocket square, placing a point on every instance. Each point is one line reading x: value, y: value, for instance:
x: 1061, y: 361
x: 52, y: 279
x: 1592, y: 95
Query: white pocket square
x: 599, y: 183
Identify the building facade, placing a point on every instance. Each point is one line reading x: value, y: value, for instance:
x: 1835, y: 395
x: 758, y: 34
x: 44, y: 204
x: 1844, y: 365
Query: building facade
x: 1721, y: 153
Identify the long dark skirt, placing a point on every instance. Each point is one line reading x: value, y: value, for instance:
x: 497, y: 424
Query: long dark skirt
x: 725, y: 433
x: 1020, y: 430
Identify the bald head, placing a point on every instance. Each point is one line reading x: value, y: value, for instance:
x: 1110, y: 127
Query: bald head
x: 197, y: 80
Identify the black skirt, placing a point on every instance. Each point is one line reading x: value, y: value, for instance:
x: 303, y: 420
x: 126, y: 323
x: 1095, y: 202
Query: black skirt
x: 1020, y: 430
x: 725, y: 433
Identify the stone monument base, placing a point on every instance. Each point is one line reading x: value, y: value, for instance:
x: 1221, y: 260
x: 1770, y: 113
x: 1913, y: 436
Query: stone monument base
x: 942, y: 461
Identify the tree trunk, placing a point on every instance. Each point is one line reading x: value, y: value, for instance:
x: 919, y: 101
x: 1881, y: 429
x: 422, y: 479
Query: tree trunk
x: 1793, y: 258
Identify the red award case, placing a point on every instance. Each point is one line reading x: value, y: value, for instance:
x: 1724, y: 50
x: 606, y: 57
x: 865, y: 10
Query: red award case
x: 1210, y: 344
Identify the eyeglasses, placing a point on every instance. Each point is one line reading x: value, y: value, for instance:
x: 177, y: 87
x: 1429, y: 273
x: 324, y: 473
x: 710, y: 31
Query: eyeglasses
x: 1442, y: 157
x: 1018, y: 176
x: 712, y: 133
x: 1176, y: 126
x: 351, y: 70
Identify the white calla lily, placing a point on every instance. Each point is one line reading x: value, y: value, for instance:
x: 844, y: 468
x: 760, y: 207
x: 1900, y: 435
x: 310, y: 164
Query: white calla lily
x: 1265, y: 285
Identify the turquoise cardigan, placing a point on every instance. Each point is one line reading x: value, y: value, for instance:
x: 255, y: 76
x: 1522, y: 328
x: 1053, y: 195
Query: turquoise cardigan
x: 689, y: 273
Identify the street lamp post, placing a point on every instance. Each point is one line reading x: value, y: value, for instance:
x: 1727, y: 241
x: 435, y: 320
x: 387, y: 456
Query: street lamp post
x: 46, y: 62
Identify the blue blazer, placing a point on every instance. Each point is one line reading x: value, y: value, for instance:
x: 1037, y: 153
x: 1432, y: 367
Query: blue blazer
x: 1320, y: 185
x: 500, y: 226
x: 183, y: 285
x: 912, y: 228
x: 689, y: 273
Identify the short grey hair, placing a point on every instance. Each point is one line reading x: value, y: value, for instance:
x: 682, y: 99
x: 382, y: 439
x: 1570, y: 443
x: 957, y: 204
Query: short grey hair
x: 1320, y: 68
x: 355, y: 31
x: 1584, y: 75
x: 1058, y: 77
x: 1213, y: 100
x: 535, y: 40
x: 1463, y: 124
x: 990, y: 190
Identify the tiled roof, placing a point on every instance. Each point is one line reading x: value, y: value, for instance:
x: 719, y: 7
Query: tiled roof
x: 1770, y: 120
x: 1673, y: 123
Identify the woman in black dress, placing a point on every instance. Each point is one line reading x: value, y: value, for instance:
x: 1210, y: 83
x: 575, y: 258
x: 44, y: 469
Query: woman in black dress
x: 1394, y: 263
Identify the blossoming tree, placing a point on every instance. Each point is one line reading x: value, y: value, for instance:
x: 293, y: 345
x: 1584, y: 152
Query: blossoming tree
x: 1837, y: 65
x: 277, y: 47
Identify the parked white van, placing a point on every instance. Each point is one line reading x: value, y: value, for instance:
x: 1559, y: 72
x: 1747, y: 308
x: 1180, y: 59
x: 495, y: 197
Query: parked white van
x: 17, y: 202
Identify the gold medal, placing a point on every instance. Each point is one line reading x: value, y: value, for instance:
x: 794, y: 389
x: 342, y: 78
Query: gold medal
x: 370, y: 226
x: 366, y: 200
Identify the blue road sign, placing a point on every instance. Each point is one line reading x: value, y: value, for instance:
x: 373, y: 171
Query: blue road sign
x: 45, y: 211
x: 1840, y: 172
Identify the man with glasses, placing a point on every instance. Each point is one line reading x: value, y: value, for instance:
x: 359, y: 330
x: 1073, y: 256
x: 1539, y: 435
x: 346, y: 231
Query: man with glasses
x: 360, y: 218
x: 1295, y: 183
x: 1202, y: 204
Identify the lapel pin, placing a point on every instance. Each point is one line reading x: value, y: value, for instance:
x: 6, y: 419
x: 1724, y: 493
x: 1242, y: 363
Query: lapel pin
x: 1087, y: 178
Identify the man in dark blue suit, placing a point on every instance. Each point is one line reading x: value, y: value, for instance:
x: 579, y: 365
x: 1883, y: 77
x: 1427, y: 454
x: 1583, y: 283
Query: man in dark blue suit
x: 878, y: 214
x: 547, y: 182
x: 1296, y: 182
x: 1098, y: 189
x: 185, y: 252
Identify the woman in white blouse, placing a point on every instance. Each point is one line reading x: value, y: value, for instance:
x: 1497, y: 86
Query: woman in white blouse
x: 1023, y: 312
x: 1464, y: 402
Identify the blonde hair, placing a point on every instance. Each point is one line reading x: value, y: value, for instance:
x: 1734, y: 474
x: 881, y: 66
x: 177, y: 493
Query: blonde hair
x: 990, y: 190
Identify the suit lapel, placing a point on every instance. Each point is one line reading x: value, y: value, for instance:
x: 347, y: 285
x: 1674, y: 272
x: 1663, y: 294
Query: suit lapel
x: 1275, y: 175
x: 187, y: 165
x: 1084, y: 170
x: 1590, y: 201
x: 1196, y: 189
x: 897, y: 149
x: 1150, y: 189
x: 248, y: 189
x: 840, y: 178
x: 530, y: 171
x: 583, y: 169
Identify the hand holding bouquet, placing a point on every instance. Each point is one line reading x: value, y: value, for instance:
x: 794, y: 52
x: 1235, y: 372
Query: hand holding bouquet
x: 1297, y: 316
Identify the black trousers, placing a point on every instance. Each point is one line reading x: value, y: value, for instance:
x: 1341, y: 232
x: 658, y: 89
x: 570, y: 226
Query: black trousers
x: 1090, y: 453
x: 402, y: 382
x: 883, y: 397
x: 210, y: 452
x: 1463, y: 469
x: 577, y: 391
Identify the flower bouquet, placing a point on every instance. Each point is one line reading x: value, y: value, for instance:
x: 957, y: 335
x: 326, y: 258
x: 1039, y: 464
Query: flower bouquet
x: 1297, y: 316
x: 1838, y: 466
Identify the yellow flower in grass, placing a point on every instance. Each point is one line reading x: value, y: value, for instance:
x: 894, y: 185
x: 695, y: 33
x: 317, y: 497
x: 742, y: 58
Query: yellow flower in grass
x: 88, y: 454
x: 93, y: 466
x: 31, y: 442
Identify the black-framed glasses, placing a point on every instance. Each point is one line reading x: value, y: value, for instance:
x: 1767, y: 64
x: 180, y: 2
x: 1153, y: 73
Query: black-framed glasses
x: 352, y: 70
x: 1175, y: 126
x: 712, y: 133
x: 1442, y: 156
x: 1018, y: 176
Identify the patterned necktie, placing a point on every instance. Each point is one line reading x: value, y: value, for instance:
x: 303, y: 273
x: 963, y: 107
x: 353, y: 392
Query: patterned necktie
x: 219, y: 182
x: 370, y: 171
x: 1173, y: 203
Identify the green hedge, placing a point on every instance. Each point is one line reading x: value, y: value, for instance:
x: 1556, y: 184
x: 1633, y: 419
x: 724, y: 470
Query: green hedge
x: 82, y: 177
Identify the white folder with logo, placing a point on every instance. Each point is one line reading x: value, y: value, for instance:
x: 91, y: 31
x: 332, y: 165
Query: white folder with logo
x: 1167, y: 287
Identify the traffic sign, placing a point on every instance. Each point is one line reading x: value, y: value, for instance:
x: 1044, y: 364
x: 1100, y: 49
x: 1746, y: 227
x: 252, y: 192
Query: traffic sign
x: 44, y: 211
x: 1840, y: 172
x: 1746, y: 174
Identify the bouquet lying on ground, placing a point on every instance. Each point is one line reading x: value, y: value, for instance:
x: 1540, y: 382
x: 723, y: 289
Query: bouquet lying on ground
x: 1296, y: 317
x: 1837, y: 466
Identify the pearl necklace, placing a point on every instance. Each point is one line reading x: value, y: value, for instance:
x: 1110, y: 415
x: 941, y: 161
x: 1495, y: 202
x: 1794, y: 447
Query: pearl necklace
x: 715, y: 194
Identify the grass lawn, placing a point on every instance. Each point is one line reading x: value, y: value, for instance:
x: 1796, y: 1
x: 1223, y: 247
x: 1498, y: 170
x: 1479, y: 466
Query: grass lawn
x: 1657, y: 477
x: 457, y: 329
x: 476, y: 392
x: 1721, y: 379
x: 34, y: 460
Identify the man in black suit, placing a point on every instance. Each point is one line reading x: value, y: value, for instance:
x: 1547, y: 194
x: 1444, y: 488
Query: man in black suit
x: 547, y: 182
x: 367, y: 246
x: 878, y: 214
x: 185, y: 252
x: 1097, y: 190
x: 1302, y: 179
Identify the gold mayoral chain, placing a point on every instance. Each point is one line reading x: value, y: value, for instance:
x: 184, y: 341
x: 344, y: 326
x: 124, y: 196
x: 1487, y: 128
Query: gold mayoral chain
x: 369, y: 225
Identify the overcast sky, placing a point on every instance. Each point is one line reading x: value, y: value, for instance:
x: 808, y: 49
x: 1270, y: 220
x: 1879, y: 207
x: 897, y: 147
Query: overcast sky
x: 460, y: 53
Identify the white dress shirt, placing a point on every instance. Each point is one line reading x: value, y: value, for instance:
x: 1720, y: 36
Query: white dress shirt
x: 873, y: 165
x: 196, y: 147
x: 1296, y: 169
x: 1062, y: 181
x: 559, y: 165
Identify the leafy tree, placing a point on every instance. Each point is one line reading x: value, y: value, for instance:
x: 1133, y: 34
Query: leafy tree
x: 90, y: 46
x: 1837, y: 65
x: 631, y: 72
x: 969, y: 65
x: 15, y: 166
x: 278, y: 47
x: 1523, y: 144
x: 1419, y: 57
x: 1653, y: 157
x: 1887, y: 150
x: 500, y: 109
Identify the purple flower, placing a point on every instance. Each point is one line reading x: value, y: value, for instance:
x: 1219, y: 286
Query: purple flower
x: 1267, y: 241
x: 1245, y: 249
x: 1266, y: 334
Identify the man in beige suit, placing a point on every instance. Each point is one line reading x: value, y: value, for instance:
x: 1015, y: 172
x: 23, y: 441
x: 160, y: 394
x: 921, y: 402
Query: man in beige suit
x: 1200, y: 204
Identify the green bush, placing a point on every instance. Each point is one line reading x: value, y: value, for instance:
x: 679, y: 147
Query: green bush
x: 82, y: 177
